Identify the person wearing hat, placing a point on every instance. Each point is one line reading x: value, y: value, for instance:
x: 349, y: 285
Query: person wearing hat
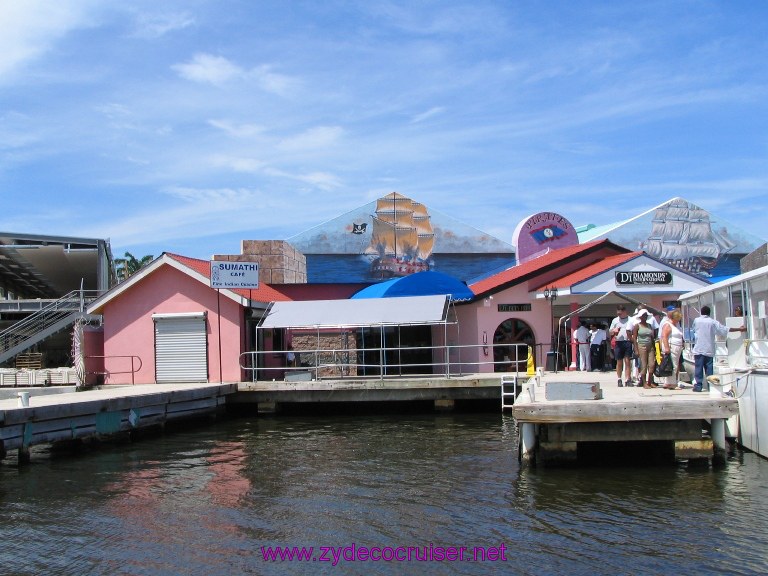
x: 643, y: 342
x: 668, y: 313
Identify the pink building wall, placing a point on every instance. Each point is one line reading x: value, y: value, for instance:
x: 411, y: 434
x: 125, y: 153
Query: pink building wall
x: 129, y: 331
x: 93, y: 350
x: 479, y: 323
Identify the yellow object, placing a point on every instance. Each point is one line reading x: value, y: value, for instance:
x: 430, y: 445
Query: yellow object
x: 658, y: 353
x: 531, y: 371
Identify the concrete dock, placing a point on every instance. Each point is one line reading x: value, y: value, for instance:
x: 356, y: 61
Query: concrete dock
x: 560, y: 413
x: 443, y: 392
x: 48, y: 418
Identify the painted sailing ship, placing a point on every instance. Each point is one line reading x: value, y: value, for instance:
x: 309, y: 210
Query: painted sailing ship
x: 682, y: 235
x: 402, y: 237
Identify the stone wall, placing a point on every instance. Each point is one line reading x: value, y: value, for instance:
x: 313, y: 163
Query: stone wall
x: 333, y: 365
x: 279, y: 262
x: 755, y: 259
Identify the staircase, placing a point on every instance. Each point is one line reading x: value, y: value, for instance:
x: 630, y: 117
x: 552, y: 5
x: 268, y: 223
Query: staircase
x: 44, y: 323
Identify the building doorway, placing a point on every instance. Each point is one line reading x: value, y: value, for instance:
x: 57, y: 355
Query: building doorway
x: 509, y: 358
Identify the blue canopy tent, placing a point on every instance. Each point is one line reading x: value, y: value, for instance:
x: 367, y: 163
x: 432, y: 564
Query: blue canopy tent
x: 419, y: 284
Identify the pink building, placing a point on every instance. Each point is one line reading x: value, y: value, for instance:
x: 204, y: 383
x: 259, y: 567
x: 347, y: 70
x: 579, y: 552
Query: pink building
x: 166, y: 324
x: 587, y: 282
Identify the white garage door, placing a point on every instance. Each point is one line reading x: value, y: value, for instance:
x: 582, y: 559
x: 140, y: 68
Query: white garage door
x: 181, y: 347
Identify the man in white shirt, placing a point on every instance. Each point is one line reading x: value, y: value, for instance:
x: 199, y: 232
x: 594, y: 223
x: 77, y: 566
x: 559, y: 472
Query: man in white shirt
x: 597, y: 347
x: 621, y: 329
x: 705, y: 329
x: 581, y: 335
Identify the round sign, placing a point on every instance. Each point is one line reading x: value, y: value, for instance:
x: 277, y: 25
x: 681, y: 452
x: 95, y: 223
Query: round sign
x: 542, y: 232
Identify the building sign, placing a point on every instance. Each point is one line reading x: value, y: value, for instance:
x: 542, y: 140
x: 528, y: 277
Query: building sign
x: 514, y: 307
x: 645, y: 278
x: 542, y: 232
x: 225, y: 274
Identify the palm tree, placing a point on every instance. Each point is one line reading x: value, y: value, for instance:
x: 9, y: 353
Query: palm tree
x: 129, y: 265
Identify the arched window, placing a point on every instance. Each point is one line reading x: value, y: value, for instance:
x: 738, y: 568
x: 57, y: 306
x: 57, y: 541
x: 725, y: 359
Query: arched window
x: 511, y: 358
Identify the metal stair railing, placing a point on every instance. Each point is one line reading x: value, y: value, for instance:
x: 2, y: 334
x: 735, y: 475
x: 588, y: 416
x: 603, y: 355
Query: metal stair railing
x: 41, y: 324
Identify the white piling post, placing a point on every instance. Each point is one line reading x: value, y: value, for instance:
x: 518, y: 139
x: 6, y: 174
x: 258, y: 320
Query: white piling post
x: 527, y: 441
x: 23, y: 399
x: 717, y: 430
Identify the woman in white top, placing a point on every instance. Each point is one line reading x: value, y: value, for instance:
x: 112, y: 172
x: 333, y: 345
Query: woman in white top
x: 672, y: 343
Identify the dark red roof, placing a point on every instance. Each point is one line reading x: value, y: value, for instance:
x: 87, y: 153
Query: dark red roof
x: 591, y: 270
x: 526, y: 270
x: 264, y: 293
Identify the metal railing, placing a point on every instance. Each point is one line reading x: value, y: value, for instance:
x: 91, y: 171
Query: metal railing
x: 108, y: 373
x: 387, y: 362
x: 25, y: 332
x: 757, y: 353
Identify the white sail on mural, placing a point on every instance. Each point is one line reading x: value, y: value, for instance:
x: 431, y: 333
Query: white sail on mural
x: 682, y: 235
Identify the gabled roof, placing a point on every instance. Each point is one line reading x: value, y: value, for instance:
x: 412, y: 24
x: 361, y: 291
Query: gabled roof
x: 199, y: 270
x: 526, y: 270
x: 591, y: 270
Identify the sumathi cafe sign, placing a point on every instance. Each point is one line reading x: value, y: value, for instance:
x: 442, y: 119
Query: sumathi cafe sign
x: 226, y: 274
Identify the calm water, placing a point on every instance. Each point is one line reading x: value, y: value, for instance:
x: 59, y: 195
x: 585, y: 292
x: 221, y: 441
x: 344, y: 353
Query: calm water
x: 206, y: 501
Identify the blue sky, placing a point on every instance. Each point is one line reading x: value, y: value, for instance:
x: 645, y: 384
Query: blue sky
x: 186, y: 126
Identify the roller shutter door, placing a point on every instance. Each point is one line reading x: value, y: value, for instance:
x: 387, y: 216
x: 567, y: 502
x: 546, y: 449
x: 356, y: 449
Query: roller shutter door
x: 181, y: 348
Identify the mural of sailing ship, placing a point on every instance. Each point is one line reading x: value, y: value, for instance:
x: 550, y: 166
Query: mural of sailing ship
x: 682, y: 235
x: 402, y: 237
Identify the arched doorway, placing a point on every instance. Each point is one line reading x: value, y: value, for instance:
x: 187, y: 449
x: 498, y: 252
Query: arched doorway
x: 512, y: 331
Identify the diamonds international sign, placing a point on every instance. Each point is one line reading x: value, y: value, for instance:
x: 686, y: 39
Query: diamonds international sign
x: 644, y: 278
x: 225, y: 274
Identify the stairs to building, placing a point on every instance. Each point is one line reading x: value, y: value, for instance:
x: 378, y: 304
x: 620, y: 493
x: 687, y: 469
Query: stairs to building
x: 47, y: 321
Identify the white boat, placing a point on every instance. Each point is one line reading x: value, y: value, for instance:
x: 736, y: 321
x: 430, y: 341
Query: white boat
x: 741, y: 359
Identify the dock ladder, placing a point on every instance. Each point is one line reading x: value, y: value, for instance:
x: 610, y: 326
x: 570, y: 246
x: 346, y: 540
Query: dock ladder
x: 509, y: 385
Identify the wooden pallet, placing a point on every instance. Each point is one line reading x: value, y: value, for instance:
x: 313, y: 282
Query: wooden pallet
x: 29, y: 361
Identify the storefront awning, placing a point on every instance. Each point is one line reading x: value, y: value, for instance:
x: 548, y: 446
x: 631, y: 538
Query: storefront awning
x: 408, y: 310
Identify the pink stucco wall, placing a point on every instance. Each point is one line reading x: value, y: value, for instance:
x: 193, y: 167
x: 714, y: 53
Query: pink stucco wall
x: 93, y: 350
x: 479, y: 321
x: 129, y: 329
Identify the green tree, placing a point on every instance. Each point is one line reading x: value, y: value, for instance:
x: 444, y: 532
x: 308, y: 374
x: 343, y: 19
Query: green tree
x: 129, y: 265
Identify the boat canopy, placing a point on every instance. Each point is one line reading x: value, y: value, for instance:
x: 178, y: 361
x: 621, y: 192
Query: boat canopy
x: 412, y: 310
x: 419, y: 284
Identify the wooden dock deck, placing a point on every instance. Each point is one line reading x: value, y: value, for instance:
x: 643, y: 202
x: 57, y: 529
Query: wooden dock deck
x: 96, y: 413
x: 552, y: 427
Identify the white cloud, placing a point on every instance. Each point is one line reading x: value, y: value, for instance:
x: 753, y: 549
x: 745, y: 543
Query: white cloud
x: 238, y: 163
x: 208, y: 69
x: 157, y: 25
x: 436, y: 110
x: 237, y: 130
x: 191, y: 212
x: 273, y: 82
x: 29, y: 28
x: 312, y: 139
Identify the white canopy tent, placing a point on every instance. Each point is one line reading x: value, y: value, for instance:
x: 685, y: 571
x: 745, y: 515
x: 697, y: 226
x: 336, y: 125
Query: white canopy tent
x: 408, y: 310
x: 327, y: 316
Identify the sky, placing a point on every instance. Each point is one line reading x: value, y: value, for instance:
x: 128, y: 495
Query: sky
x: 188, y: 126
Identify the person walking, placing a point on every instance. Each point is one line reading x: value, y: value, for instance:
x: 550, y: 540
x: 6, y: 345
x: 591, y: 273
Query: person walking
x: 620, y: 331
x: 705, y: 330
x: 582, y: 339
x: 643, y: 341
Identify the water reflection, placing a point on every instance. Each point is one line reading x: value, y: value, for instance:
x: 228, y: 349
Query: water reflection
x: 206, y: 501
